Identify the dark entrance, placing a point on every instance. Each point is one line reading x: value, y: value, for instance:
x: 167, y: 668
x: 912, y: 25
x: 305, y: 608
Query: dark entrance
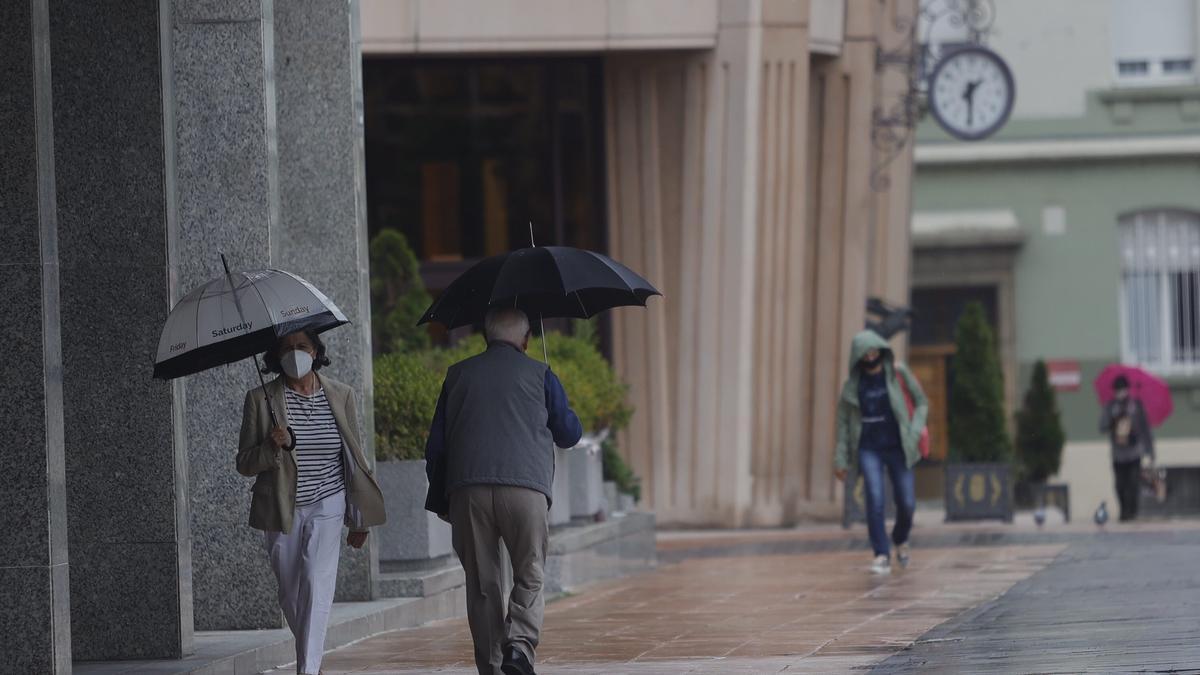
x: 464, y: 154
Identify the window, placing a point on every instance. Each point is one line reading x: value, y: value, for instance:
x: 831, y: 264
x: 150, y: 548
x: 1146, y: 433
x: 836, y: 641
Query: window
x: 1160, y: 290
x: 463, y: 155
x: 1153, y: 41
x: 1177, y: 66
x: 1133, y: 68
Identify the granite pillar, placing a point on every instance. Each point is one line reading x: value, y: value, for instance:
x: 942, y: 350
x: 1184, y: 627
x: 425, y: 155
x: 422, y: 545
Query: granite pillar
x: 220, y: 91
x: 322, y: 230
x: 34, y: 581
x: 268, y: 139
x: 125, y: 457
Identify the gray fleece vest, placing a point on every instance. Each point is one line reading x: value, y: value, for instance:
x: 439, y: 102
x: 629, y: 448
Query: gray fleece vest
x: 496, y: 418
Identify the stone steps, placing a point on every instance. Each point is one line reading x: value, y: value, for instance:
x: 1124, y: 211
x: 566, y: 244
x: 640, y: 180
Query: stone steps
x: 419, y: 583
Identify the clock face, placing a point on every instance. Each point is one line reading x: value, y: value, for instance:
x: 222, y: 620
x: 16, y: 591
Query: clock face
x: 971, y: 93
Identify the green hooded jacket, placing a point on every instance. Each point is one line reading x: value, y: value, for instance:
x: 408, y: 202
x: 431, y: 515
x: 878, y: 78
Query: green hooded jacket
x: 849, y: 416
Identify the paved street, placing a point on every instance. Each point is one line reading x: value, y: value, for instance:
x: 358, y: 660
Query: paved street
x: 1129, y: 602
x: 1065, y: 600
x: 807, y: 613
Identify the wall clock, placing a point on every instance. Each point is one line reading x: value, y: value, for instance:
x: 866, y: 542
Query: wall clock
x: 971, y: 92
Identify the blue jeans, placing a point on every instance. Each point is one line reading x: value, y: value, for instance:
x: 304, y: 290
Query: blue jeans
x: 871, y: 464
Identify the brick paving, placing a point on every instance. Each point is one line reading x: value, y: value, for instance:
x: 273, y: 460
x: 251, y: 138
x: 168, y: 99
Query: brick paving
x: 812, y: 613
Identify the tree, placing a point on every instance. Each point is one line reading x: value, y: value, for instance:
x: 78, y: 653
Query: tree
x: 1040, y: 436
x: 398, y: 296
x: 977, y: 419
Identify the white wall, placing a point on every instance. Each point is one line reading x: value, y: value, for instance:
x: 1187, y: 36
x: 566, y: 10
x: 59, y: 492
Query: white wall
x: 1057, y: 49
x: 1060, y: 49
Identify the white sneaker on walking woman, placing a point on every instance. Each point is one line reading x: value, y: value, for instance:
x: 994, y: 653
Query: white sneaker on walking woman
x: 882, y: 565
x: 903, y: 554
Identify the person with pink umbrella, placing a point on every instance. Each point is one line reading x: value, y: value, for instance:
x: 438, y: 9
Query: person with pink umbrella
x: 1127, y: 422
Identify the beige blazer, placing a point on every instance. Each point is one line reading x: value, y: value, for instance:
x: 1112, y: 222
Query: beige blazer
x: 273, y: 497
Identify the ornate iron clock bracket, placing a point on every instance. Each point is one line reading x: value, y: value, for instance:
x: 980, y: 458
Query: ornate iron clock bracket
x: 894, y: 122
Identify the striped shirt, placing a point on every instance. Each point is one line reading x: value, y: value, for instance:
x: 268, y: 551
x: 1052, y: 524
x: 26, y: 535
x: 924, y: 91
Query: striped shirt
x: 318, y: 447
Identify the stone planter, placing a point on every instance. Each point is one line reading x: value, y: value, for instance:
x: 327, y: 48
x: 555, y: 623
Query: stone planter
x: 411, y: 533
x: 611, y: 496
x: 627, y: 503
x: 560, y: 507
x: 586, y: 488
x: 979, y: 492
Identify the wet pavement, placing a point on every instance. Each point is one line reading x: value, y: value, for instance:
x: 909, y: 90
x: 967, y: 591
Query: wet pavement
x: 1124, y: 602
x: 807, y: 613
x: 981, y: 598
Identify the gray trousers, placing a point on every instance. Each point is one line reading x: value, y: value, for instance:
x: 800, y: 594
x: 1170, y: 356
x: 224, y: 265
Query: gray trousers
x: 481, y: 517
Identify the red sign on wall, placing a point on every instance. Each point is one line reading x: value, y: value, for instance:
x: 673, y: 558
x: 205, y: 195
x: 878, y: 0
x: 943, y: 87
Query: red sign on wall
x: 1064, y: 375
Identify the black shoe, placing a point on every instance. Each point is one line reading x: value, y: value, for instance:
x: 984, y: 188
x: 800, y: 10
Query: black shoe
x: 515, y: 663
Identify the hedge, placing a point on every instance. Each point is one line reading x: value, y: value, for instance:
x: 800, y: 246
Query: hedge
x: 407, y: 386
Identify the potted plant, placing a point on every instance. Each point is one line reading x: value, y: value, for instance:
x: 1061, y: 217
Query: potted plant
x: 398, y: 296
x: 1040, y: 440
x: 406, y: 392
x: 978, y: 473
x: 598, y: 396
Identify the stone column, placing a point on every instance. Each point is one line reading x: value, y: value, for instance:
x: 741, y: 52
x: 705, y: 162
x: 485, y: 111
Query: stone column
x: 35, y: 615
x: 322, y: 229
x: 706, y: 197
x: 125, y: 453
x: 891, y: 249
x: 268, y: 133
x: 221, y: 98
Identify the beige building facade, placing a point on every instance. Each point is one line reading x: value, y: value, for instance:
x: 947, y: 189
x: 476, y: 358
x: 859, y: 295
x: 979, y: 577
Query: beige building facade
x: 740, y: 175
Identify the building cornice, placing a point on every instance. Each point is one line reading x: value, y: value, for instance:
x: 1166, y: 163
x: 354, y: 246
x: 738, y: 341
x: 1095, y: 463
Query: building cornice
x: 931, y: 154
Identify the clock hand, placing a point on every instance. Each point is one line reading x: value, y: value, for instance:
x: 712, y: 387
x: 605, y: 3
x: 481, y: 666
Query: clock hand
x: 969, y: 97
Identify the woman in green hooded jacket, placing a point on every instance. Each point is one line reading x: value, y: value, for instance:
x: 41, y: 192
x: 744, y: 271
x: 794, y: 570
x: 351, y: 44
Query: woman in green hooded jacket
x: 876, y: 431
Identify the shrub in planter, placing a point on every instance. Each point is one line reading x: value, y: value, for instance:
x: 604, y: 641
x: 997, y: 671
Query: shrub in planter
x: 596, y: 393
x: 617, y: 471
x: 1040, y: 436
x: 977, y: 421
x: 398, y: 296
x: 406, y: 392
x: 978, y: 476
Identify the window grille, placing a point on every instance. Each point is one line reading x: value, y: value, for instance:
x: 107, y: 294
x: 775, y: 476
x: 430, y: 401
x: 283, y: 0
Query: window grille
x: 1160, y: 291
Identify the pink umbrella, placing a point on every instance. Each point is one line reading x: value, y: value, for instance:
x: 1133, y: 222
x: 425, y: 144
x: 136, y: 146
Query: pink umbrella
x: 1151, y: 390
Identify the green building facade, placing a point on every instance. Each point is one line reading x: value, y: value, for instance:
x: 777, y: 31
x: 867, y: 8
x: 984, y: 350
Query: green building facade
x: 1077, y: 224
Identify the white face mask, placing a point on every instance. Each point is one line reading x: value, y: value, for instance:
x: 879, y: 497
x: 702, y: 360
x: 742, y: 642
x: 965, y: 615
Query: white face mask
x: 296, y: 363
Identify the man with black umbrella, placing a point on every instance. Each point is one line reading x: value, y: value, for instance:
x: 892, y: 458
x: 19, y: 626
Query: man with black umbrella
x: 490, y: 462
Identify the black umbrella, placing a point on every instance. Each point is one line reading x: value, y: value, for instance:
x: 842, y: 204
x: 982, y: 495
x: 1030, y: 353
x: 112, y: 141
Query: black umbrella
x: 547, y: 281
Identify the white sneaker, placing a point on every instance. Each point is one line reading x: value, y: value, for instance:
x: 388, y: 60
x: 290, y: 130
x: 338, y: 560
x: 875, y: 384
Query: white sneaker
x: 903, y: 552
x: 882, y: 565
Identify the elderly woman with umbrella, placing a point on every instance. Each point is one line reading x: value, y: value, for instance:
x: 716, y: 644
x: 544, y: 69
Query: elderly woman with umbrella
x: 1132, y: 402
x: 299, y: 436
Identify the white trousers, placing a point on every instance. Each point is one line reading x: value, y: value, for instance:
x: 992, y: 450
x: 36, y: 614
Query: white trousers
x: 305, y: 562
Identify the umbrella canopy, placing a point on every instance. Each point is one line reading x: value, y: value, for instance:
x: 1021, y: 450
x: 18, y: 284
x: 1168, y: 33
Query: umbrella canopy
x: 1151, y: 390
x: 238, y: 315
x: 550, y: 281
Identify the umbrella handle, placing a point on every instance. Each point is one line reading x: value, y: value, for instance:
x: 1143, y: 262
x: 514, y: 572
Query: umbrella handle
x: 292, y: 434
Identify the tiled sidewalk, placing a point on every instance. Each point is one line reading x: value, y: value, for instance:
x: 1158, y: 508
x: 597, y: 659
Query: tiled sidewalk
x: 758, y: 613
